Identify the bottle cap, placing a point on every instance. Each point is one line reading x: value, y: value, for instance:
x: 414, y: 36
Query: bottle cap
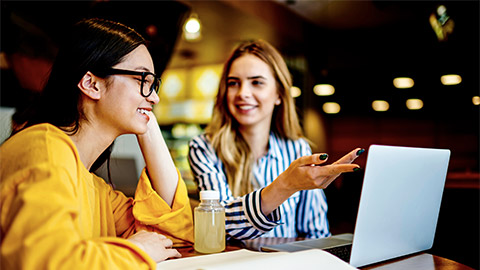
x: 209, y: 195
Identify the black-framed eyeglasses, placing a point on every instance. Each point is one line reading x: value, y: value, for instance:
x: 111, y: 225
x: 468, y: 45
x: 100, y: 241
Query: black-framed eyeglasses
x: 150, y: 82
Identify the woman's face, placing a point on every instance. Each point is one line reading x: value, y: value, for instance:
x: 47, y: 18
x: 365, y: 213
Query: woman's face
x: 251, y: 92
x: 123, y: 107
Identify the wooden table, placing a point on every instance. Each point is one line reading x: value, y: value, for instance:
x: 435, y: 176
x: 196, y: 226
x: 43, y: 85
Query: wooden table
x: 420, y: 261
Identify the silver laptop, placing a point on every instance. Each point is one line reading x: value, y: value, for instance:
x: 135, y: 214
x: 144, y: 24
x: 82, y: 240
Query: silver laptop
x: 399, y: 206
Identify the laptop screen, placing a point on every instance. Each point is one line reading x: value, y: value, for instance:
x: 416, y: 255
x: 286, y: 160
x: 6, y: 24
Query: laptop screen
x: 400, y: 202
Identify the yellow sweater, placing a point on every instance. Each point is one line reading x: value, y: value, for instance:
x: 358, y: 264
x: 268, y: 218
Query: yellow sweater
x: 55, y: 214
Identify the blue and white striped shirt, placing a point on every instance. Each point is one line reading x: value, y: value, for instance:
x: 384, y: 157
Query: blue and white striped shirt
x: 304, y: 214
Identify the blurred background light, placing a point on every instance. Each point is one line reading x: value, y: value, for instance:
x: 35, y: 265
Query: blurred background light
x: 172, y: 85
x: 192, y: 28
x: 403, y: 82
x: 331, y: 107
x: 476, y: 100
x: 324, y: 90
x: 207, y: 81
x: 414, y: 104
x: 380, y: 105
x: 295, y: 91
x: 451, y: 79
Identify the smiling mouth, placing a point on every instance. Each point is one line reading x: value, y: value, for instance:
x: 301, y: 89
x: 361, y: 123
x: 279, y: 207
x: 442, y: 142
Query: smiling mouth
x: 246, y: 107
x: 142, y: 111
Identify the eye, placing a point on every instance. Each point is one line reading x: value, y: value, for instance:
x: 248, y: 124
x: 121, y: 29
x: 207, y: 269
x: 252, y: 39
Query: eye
x: 232, y: 83
x: 257, y: 82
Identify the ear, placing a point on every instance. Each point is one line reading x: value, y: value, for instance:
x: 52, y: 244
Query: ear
x: 88, y: 86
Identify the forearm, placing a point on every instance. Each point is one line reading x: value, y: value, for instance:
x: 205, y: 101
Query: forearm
x: 275, y: 194
x: 245, y: 220
x: 160, y: 167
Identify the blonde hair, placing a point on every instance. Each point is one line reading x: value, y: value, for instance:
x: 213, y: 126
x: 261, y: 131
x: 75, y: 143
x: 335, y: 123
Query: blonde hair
x: 231, y: 147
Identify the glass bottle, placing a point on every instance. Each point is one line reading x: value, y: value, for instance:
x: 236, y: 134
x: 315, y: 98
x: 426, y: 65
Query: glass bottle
x: 209, y: 221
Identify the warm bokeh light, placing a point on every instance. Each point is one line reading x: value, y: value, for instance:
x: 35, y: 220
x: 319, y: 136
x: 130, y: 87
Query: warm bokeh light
x: 451, y: 79
x: 331, y: 107
x: 414, y: 104
x: 205, y: 81
x: 192, y: 29
x: 295, y: 91
x: 403, y: 82
x: 380, y: 105
x: 172, y: 84
x: 192, y: 25
x: 324, y: 89
x: 476, y: 100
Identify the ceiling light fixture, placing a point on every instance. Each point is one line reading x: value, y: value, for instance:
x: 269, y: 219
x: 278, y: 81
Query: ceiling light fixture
x: 331, y: 107
x: 295, y: 91
x: 403, y: 82
x: 451, y: 79
x: 476, y: 100
x: 414, y: 104
x: 192, y: 29
x: 324, y: 90
x: 380, y: 105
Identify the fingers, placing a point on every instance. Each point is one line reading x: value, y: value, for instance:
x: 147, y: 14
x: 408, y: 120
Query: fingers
x: 312, y: 160
x: 158, y: 246
x: 334, y: 169
x: 173, y: 253
x: 167, y: 242
x: 320, y: 158
x: 350, y: 157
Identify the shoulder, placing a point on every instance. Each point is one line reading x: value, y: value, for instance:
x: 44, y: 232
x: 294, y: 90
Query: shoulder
x: 42, y: 143
x: 200, y: 141
x: 201, y: 150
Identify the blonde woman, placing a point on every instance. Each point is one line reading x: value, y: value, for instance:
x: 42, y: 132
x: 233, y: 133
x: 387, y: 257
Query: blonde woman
x: 254, y: 152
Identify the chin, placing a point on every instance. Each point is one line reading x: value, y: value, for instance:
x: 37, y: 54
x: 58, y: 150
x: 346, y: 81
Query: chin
x: 139, y: 129
x: 245, y: 121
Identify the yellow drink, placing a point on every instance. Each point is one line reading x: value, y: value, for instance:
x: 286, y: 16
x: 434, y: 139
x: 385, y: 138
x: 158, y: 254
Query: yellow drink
x: 209, y: 230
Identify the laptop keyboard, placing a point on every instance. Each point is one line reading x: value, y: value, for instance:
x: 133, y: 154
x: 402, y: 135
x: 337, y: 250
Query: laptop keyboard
x: 342, y: 252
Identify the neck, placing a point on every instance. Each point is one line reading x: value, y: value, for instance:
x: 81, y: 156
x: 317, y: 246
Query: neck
x: 257, y: 139
x: 91, y: 143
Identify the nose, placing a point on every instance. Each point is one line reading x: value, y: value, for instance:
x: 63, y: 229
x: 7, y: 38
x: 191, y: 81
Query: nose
x: 244, y: 91
x: 153, y: 98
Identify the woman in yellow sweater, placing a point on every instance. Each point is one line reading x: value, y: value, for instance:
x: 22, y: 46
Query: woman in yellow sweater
x: 55, y: 213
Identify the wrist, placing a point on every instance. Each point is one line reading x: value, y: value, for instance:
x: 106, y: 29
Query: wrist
x: 274, y: 195
x: 282, y: 186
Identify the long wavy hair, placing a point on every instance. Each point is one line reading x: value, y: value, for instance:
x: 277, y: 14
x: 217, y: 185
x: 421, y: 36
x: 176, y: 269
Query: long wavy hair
x: 231, y: 147
x: 91, y: 45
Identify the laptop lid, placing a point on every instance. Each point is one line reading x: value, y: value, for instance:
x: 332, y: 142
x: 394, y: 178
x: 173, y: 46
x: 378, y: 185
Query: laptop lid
x: 399, y: 203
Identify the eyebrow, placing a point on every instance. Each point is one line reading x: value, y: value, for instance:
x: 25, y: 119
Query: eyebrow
x: 249, y: 78
x: 143, y: 68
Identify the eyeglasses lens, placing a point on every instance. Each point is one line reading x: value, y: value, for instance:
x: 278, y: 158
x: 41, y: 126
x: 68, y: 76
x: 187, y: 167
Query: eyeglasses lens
x: 150, y: 84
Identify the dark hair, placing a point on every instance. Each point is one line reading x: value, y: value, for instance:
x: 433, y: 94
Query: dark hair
x: 91, y: 45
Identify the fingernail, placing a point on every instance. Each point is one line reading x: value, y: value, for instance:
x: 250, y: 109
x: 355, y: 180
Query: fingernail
x: 356, y: 169
x: 323, y: 156
x: 359, y: 152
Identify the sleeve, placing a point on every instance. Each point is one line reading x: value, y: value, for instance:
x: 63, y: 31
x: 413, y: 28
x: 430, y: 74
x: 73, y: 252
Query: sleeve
x: 152, y: 213
x: 41, y: 227
x: 312, y: 208
x: 244, y: 218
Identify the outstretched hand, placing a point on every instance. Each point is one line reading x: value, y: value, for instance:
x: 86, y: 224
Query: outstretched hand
x: 158, y: 246
x: 307, y: 172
